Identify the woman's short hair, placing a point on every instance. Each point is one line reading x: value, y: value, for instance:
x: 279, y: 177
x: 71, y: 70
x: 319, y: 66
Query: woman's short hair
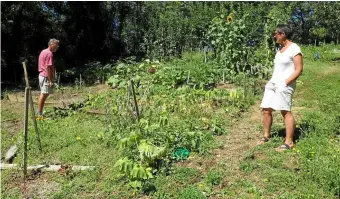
x: 284, y: 28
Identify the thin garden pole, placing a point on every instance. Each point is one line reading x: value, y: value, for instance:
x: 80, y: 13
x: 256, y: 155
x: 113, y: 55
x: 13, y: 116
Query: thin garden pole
x: 32, y: 107
x: 134, y: 98
x: 26, y: 131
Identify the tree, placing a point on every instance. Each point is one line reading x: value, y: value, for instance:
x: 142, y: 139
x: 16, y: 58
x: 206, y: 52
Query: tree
x: 23, y: 25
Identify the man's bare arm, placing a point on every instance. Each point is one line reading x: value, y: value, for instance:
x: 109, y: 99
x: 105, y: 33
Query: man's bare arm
x: 50, y: 75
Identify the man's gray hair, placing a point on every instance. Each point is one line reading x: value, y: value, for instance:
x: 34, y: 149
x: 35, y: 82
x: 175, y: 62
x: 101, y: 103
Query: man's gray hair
x: 52, y: 41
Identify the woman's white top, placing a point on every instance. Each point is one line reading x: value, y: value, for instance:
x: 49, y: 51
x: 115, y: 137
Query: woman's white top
x: 284, y: 64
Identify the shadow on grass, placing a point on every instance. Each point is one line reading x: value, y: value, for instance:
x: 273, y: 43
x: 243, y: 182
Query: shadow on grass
x: 302, y: 129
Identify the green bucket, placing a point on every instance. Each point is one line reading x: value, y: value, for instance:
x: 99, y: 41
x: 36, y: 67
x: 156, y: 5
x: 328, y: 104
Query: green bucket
x: 181, y: 153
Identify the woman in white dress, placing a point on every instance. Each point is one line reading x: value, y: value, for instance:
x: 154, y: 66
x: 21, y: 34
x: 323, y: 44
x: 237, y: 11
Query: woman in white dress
x: 279, y: 90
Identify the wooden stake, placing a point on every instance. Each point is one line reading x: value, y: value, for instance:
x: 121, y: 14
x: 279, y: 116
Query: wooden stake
x: 37, y: 135
x: 26, y: 76
x: 25, y: 132
x: 135, y: 100
x: 46, y: 167
x: 32, y: 107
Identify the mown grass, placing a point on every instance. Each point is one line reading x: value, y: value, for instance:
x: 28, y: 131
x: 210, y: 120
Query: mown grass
x: 311, y: 169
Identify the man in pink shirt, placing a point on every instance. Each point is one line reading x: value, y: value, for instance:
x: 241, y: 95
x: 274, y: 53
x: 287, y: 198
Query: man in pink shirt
x: 46, y: 73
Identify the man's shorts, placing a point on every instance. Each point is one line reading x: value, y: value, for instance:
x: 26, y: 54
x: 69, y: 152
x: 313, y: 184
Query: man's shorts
x: 277, y: 97
x: 44, y: 85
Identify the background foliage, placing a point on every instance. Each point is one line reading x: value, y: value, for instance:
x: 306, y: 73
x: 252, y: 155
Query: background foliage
x: 109, y: 31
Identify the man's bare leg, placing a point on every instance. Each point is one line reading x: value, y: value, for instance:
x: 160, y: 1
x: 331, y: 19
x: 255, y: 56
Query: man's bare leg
x: 41, y: 102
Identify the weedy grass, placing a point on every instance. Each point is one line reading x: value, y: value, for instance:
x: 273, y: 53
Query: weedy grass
x: 180, y: 106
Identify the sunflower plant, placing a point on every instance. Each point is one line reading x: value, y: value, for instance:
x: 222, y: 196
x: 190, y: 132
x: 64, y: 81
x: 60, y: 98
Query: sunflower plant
x: 229, y: 37
x: 229, y: 18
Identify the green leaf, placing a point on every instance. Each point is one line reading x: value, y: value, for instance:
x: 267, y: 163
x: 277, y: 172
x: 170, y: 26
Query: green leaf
x: 123, y: 143
x: 141, y: 66
x: 121, y: 65
x: 134, y: 171
x: 122, y: 84
x: 134, y: 137
x: 136, y: 184
x: 148, y: 172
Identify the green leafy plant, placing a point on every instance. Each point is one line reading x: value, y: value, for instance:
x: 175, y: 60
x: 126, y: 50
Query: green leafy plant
x: 135, y: 172
x: 228, y: 35
x: 214, y: 177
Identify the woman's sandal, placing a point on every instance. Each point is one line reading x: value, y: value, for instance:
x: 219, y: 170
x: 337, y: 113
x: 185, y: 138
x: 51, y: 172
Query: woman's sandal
x: 263, y: 140
x: 283, y: 147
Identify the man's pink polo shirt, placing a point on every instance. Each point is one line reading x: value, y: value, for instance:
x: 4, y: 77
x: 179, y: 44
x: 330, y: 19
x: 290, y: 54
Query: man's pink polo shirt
x: 45, y: 60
